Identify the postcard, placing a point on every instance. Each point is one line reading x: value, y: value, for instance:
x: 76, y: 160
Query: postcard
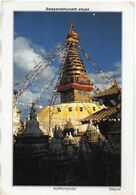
x: 67, y: 97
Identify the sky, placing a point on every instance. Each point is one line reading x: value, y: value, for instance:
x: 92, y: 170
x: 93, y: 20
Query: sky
x: 37, y: 33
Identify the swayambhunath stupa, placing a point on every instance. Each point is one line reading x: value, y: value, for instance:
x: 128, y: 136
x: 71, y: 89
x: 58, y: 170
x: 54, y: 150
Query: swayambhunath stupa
x: 75, y: 89
x: 77, y: 141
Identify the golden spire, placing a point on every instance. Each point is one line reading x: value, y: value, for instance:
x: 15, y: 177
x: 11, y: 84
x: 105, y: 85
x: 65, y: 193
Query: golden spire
x: 74, y: 83
x: 72, y: 29
x: 72, y: 37
x: 74, y: 69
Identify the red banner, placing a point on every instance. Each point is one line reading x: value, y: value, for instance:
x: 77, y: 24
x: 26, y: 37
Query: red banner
x: 74, y: 86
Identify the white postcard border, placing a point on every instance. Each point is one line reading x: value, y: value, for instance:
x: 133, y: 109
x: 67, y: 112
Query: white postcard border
x: 127, y: 10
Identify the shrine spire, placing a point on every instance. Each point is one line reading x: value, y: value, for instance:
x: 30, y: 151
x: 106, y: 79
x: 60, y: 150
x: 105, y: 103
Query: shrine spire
x: 75, y: 85
x: 72, y: 29
x: 73, y: 37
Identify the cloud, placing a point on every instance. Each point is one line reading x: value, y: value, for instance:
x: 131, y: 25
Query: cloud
x: 26, y: 56
x: 28, y: 97
x: 101, y: 83
x: 26, y: 53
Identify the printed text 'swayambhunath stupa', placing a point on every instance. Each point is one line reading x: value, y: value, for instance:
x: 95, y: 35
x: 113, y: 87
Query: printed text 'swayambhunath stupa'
x: 75, y: 89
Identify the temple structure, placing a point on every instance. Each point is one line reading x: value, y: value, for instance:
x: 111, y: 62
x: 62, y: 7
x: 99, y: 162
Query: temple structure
x: 29, y: 148
x: 111, y: 98
x: 111, y: 113
x: 75, y: 90
x: 75, y: 85
x: 76, y: 142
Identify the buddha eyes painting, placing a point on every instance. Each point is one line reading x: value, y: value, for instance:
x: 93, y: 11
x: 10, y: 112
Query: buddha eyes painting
x: 67, y: 99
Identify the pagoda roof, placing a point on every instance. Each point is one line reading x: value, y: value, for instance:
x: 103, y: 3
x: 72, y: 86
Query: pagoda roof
x: 113, y: 90
x: 73, y: 64
x: 73, y: 70
x: 103, y: 114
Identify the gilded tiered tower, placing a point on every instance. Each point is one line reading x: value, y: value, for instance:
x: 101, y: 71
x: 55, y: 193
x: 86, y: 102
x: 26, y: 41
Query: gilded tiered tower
x: 75, y: 90
x: 75, y: 84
